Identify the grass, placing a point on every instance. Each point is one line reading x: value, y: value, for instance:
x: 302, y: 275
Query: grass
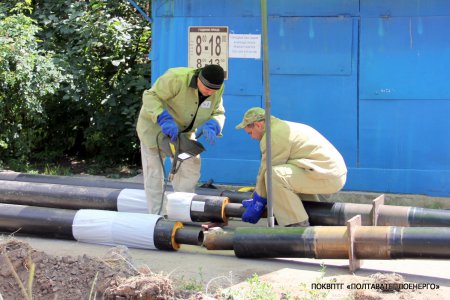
x: 256, y: 290
x: 192, y: 284
x: 27, y: 292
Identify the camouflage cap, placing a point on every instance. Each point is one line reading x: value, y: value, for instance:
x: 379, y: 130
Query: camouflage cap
x: 254, y: 114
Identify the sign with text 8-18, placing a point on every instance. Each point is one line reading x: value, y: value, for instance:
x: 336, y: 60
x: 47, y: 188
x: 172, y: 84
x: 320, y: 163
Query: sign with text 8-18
x: 207, y: 46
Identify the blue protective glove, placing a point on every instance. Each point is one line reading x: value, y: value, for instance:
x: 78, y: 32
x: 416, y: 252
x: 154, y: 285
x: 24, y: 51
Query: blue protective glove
x: 168, y: 125
x: 210, y: 130
x: 254, y: 208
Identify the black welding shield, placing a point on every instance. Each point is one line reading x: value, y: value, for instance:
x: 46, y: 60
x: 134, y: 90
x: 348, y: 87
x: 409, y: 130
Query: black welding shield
x: 183, y: 148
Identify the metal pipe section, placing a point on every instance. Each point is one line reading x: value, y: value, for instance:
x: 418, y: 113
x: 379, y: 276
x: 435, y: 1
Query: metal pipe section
x: 384, y: 242
x: 135, y: 230
x: 236, y: 197
x: 268, y: 130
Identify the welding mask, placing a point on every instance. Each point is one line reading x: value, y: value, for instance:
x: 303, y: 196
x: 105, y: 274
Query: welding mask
x: 183, y: 148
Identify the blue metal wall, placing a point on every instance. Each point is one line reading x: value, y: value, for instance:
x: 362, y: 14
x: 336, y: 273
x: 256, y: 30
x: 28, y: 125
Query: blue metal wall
x: 372, y: 75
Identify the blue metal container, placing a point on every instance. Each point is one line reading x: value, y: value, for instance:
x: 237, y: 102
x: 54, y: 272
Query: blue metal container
x: 373, y: 76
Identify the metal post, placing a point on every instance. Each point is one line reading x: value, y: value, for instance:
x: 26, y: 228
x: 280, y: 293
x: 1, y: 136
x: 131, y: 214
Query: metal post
x: 140, y: 11
x: 270, y: 218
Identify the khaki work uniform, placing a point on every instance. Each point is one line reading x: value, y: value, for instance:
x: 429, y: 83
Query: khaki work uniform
x: 175, y: 91
x: 303, y: 162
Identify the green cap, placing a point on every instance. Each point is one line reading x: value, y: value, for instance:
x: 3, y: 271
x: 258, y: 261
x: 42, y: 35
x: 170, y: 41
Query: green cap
x: 254, y: 114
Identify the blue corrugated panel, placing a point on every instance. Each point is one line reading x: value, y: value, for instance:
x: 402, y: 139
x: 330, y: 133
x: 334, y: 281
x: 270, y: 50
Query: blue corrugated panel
x: 246, y: 8
x: 433, y: 183
x: 405, y: 58
x: 327, y: 104
x: 399, y: 8
x: 377, y: 88
x: 311, y: 45
x: 205, y: 8
x: 404, y: 106
x: 320, y: 8
x: 235, y: 157
x: 405, y: 134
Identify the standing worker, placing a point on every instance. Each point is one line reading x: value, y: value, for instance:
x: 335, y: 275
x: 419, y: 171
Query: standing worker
x: 303, y: 162
x: 180, y: 101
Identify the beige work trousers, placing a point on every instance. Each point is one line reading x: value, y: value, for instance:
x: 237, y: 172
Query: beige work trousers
x: 185, y: 180
x: 288, y: 181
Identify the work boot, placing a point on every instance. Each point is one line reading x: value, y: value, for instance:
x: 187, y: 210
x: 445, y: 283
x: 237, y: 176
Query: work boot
x: 299, y: 224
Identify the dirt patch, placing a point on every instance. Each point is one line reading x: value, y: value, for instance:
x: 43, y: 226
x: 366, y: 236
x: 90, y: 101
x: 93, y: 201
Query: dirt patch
x: 26, y: 273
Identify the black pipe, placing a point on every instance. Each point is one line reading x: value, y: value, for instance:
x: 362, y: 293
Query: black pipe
x: 384, y: 242
x: 237, y: 197
x: 66, y: 180
x: 37, y: 220
x: 425, y: 217
x: 212, y: 210
x: 424, y: 242
x: 281, y: 242
x: 189, y: 236
x: 58, y: 196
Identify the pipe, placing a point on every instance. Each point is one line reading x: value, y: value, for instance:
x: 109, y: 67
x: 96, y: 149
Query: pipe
x: 190, y: 207
x: 353, y: 241
x: 337, y: 214
x: 37, y: 220
x: 58, y: 196
x: 135, y: 230
x: 214, y: 208
x: 236, y: 197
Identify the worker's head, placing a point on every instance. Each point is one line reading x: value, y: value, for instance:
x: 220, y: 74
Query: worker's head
x: 210, y: 79
x: 254, y: 123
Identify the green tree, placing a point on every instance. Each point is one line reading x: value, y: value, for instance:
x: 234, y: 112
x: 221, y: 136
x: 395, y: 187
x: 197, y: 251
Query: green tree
x: 28, y: 75
x: 101, y: 47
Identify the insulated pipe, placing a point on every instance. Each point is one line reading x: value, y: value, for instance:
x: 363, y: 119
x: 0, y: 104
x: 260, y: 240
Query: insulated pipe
x: 135, y: 230
x: 384, y: 242
x: 336, y: 214
x: 213, y: 208
x: 190, y: 207
x: 236, y: 197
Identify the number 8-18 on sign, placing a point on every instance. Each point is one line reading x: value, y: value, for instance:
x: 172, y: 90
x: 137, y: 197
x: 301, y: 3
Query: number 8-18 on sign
x: 208, y: 45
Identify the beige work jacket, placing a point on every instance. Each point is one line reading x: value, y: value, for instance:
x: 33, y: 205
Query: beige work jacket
x: 302, y: 146
x: 176, y: 91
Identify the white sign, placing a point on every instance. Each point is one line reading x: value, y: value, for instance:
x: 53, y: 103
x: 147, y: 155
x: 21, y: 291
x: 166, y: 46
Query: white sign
x: 245, y: 46
x: 207, y: 46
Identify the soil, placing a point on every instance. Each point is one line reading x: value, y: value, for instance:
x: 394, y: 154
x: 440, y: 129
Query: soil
x: 82, y: 277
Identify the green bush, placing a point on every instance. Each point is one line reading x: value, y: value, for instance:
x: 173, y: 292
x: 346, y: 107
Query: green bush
x: 90, y: 112
x: 28, y: 76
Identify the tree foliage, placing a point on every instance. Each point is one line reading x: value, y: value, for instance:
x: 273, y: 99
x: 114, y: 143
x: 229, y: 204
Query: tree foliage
x: 98, y: 51
x: 28, y: 75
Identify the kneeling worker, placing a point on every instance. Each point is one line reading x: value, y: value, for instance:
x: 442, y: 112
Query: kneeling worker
x: 303, y: 162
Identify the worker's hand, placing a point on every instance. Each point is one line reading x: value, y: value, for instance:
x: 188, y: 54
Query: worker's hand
x: 210, y: 130
x: 254, y: 208
x: 168, y: 125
